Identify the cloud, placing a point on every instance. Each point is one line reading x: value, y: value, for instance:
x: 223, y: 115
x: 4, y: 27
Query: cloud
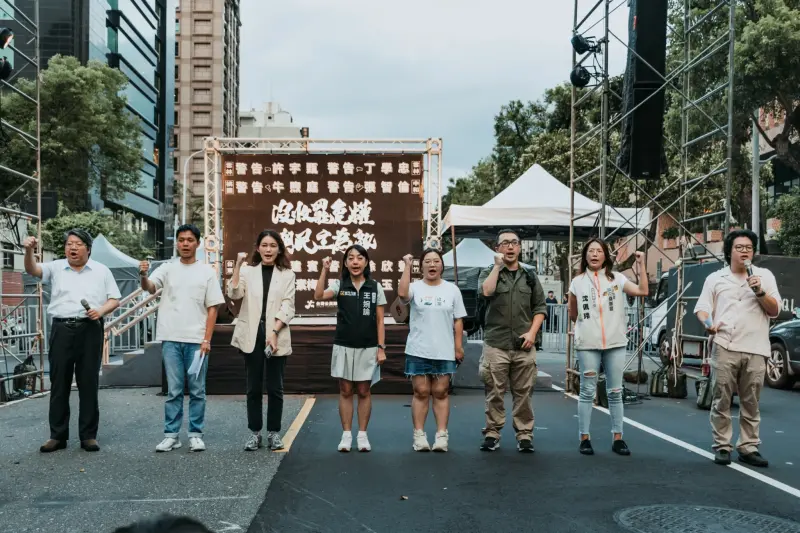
x: 412, y: 69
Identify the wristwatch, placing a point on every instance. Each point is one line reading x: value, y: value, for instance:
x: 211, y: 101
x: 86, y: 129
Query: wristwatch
x: 761, y: 294
x: 275, y: 331
x: 382, y: 346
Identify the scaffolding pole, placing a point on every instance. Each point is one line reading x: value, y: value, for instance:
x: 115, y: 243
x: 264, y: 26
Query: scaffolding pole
x: 676, y: 80
x: 29, y: 180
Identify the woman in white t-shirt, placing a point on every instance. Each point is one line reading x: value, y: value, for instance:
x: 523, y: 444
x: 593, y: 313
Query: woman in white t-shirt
x: 434, y: 346
x: 597, y: 307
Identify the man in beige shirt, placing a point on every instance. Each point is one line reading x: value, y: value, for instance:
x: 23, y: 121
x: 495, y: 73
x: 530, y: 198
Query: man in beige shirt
x: 736, y: 309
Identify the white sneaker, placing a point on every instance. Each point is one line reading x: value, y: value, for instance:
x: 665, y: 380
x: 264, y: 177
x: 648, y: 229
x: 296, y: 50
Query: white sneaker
x: 421, y: 441
x: 363, y: 442
x: 440, y: 444
x: 196, y: 444
x: 168, y: 444
x: 346, y: 442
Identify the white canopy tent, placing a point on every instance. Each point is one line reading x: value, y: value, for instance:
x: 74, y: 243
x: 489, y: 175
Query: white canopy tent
x: 470, y: 253
x: 538, y: 204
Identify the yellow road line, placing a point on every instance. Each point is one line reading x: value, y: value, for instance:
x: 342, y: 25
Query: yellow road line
x: 294, y: 429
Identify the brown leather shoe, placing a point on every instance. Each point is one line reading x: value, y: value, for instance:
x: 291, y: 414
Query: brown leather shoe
x: 90, y: 445
x: 52, y: 445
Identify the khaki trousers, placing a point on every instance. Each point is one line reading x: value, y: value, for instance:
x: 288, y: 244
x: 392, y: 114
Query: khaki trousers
x: 742, y: 373
x: 500, y: 370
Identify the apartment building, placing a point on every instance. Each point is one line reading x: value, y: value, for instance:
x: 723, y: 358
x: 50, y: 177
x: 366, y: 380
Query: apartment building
x: 206, y: 84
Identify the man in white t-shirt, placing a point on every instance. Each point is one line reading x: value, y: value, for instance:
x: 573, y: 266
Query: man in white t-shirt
x: 186, y: 318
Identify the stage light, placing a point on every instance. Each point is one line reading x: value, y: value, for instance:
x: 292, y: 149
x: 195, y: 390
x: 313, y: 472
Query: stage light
x: 580, y: 77
x: 5, y: 69
x: 5, y: 37
x: 582, y: 44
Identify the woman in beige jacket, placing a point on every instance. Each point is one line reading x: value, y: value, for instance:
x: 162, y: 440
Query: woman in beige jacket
x: 266, y: 287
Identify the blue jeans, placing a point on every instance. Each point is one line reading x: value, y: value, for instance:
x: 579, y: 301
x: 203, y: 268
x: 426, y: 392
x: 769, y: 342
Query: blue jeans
x: 613, y: 360
x: 178, y: 358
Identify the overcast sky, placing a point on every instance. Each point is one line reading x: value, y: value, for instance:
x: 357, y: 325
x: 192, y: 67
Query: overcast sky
x: 440, y: 68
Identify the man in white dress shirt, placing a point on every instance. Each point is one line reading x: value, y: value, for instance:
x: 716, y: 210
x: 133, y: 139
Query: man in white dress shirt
x: 736, y: 306
x: 76, y: 335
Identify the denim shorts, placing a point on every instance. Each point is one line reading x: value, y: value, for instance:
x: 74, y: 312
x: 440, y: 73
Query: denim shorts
x: 420, y: 366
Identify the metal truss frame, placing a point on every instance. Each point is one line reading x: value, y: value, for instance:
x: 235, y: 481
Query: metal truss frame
x: 216, y: 147
x: 685, y: 183
x: 16, y: 213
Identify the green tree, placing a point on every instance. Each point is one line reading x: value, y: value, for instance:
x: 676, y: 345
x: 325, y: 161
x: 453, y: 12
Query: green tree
x: 787, y: 209
x: 766, y: 74
x: 132, y: 243
x: 88, y: 137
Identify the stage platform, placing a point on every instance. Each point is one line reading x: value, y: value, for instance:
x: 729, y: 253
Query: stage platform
x: 308, y: 368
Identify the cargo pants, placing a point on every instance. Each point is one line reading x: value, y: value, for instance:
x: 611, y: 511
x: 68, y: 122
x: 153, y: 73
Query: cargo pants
x: 501, y: 370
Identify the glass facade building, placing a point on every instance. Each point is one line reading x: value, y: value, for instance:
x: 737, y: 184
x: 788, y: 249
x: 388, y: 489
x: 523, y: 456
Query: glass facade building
x: 137, y: 37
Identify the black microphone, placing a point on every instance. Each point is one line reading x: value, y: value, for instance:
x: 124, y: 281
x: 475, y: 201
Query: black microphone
x: 749, y: 266
x: 85, y: 304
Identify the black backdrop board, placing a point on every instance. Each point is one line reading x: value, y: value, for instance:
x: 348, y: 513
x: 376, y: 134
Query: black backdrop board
x: 321, y: 204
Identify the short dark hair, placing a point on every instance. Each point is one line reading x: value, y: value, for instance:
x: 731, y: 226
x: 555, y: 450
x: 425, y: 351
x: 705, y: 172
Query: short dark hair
x: 165, y: 524
x: 727, y: 245
x: 188, y: 227
x: 80, y: 233
x: 516, y: 234
x: 436, y: 251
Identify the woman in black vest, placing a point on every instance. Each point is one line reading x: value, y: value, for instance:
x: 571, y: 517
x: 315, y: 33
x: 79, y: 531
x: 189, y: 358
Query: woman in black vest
x: 358, y: 348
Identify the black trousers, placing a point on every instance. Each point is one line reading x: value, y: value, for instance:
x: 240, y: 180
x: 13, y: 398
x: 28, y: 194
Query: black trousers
x: 255, y: 364
x: 75, y: 348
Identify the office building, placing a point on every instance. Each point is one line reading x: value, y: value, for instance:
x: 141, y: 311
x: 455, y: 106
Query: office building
x: 206, y: 86
x: 137, y: 37
x: 271, y: 122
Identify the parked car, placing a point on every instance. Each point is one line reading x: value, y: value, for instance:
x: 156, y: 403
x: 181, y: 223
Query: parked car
x: 783, y: 366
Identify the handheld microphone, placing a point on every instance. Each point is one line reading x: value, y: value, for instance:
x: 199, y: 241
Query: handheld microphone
x: 749, y: 266
x: 85, y: 305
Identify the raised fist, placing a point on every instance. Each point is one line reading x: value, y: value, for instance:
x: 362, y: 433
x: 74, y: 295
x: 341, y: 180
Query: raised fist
x: 498, y: 259
x: 241, y: 258
x: 326, y: 263
x: 144, y: 267
x: 639, y: 257
x: 29, y: 243
x: 408, y: 258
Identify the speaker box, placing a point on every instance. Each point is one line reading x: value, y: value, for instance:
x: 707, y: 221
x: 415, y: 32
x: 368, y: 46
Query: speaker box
x: 649, y: 41
x: 647, y: 135
x: 49, y: 205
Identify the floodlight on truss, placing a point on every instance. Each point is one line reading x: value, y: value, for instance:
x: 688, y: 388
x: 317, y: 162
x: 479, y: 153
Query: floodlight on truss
x: 5, y: 37
x: 582, y: 44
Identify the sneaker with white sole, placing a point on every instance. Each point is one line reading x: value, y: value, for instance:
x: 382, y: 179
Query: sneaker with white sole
x: 196, y: 444
x: 421, y: 441
x: 274, y: 441
x: 346, y: 442
x: 363, y: 442
x: 440, y: 444
x: 253, y: 443
x: 168, y: 444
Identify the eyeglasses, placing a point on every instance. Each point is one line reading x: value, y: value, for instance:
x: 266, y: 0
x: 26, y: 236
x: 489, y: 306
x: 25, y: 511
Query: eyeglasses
x: 76, y: 245
x: 743, y: 248
x: 506, y: 244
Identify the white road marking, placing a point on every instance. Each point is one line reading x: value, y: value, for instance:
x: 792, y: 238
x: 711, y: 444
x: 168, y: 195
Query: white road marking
x: 699, y: 451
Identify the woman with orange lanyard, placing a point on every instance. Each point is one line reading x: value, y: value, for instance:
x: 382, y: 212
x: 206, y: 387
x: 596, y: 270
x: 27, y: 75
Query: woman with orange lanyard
x: 597, y: 307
